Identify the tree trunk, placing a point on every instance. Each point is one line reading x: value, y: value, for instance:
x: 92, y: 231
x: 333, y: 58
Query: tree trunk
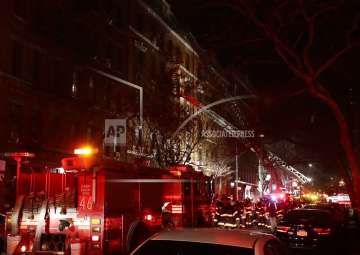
x: 349, y: 187
x: 344, y: 137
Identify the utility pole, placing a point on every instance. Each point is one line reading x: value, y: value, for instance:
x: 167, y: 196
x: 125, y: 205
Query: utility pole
x: 236, y: 172
x: 261, y: 178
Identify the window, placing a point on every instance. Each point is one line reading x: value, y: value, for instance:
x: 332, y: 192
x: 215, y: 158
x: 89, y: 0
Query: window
x: 36, y: 66
x: 52, y: 71
x: 140, y: 22
x: 35, y: 129
x: 140, y: 61
x: 109, y: 54
x: 187, y: 62
x: 117, y: 58
x: 119, y: 19
x: 17, y: 59
x: 170, y: 48
x: 109, y: 6
x: 178, y: 56
x: 20, y: 7
x: 91, y: 90
x: 72, y: 131
x: 107, y: 95
x: 99, y: 93
x: 153, y: 71
x: 16, y: 119
x: 89, y: 131
x: 74, y: 85
x: 85, y: 5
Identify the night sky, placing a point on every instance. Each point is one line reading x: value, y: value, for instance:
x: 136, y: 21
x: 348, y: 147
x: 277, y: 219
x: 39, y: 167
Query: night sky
x: 287, y: 113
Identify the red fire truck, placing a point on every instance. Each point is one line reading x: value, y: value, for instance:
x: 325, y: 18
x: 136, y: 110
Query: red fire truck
x: 99, y: 206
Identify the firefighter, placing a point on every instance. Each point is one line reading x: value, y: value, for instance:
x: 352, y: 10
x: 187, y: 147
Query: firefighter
x: 248, y: 212
x: 166, y: 216
x: 242, y: 214
x: 228, y: 215
x: 218, y: 208
x: 260, y: 214
x: 273, y: 215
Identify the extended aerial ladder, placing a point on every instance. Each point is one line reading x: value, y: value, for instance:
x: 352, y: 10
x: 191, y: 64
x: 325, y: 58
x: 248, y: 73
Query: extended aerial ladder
x: 275, y: 160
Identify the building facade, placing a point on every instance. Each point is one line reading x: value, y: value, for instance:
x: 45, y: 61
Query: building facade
x: 67, y: 66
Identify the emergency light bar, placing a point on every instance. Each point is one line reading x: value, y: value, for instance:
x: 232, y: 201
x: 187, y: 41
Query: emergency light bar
x: 86, y: 151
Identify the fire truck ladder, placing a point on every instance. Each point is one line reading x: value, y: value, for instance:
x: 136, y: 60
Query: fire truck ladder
x: 277, y: 161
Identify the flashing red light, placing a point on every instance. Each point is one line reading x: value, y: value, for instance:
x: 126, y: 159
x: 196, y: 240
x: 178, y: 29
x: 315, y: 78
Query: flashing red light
x: 282, y: 229
x: 323, y: 231
x: 86, y: 151
x: 176, y: 173
x: 148, y: 217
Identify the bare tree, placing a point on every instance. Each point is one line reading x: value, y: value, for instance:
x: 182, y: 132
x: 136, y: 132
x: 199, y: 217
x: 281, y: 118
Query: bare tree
x: 218, y: 169
x: 293, y: 28
x: 302, y: 65
x: 157, y: 143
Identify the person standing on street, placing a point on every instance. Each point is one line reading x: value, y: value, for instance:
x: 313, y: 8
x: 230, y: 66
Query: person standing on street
x: 272, y: 216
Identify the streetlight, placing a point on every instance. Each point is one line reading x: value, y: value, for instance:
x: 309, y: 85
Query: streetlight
x: 124, y: 82
x: 341, y: 183
x: 268, y: 177
x: 310, y: 165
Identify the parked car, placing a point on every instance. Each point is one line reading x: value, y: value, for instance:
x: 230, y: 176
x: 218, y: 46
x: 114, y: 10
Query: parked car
x: 307, y: 229
x: 337, y: 212
x: 211, y: 242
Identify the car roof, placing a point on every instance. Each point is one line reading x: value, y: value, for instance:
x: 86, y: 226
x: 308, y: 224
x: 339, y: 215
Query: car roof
x: 322, y: 210
x: 315, y: 210
x: 239, y: 238
x: 319, y: 206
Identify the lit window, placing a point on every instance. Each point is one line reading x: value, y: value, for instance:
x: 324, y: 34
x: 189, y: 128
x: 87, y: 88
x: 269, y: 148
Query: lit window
x: 74, y: 86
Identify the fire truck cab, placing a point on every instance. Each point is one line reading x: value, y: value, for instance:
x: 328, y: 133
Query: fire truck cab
x: 102, y: 206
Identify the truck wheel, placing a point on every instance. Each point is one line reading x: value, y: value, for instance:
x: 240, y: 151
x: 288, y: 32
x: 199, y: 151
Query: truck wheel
x: 138, y: 233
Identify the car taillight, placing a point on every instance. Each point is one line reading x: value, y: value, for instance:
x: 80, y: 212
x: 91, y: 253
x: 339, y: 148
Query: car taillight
x: 148, y: 217
x: 323, y: 231
x: 23, y: 248
x: 282, y: 229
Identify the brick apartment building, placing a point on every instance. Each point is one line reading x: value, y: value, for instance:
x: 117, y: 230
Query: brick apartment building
x: 53, y: 99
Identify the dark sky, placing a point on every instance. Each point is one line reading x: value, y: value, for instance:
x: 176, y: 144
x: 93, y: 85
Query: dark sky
x: 299, y: 118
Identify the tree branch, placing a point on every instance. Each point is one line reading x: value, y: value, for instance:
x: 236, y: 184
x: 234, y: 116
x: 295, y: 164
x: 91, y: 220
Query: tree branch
x: 331, y: 61
x: 343, y: 51
x: 311, y: 34
x: 284, y: 50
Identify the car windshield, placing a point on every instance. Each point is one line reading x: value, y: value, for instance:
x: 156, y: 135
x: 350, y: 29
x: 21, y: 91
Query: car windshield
x: 155, y: 247
x: 316, y: 217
